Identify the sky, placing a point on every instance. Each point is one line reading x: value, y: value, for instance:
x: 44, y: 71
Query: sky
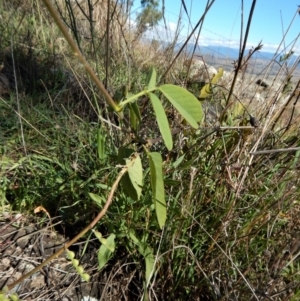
x: 222, y: 24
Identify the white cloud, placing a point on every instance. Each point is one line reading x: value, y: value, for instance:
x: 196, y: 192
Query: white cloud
x: 163, y: 34
x: 172, y: 26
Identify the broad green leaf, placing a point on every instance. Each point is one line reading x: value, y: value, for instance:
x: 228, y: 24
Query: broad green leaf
x: 108, y: 242
x: 101, y: 144
x: 185, y: 102
x: 97, y: 199
x: 207, y: 89
x: 129, y: 188
x: 162, y: 120
x: 157, y: 184
x: 151, y: 79
x: 135, y: 174
x: 106, y: 251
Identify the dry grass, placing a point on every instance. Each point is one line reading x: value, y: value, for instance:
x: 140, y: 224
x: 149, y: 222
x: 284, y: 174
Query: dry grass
x: 233, y: 214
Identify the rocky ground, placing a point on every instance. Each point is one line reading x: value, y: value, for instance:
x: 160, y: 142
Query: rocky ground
x: 26, y: 242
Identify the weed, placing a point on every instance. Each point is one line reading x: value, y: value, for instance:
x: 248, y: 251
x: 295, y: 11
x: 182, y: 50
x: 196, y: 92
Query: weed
x: 224, y: 222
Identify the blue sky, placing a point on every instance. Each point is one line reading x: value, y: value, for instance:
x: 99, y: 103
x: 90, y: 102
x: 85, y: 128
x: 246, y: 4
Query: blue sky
x: 223, y: 21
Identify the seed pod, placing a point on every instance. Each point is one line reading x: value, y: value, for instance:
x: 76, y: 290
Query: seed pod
x: 75, y: 262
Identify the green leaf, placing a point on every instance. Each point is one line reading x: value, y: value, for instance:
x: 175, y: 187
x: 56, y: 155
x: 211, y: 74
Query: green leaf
x: 162, y: 121
x: 129, y: 189
x: 170, y: 182
x: 97, y: 199
x: 157, y: 184
x: 108, y: 242
x: 185, y: 102
x: 136, y: 111
x: 147, y: 252
x: 178, y: 161
x: 207, y: 89
x: 106, y: 251
x: 133, y: 118
x: 99, y: 236
x: 101, y: 144
x: 149, y: 261
x: 135, y: 173
x: 123, y: 154
x: 151, y: 79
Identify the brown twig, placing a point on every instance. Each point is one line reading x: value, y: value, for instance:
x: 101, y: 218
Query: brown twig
x: 79, y: 235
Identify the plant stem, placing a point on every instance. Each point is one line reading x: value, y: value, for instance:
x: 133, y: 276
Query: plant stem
x: 79, y: 235
x: 79, y: 55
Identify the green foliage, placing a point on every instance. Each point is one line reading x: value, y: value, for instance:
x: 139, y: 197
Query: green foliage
x: 149, y: 16
x: 185, y: 102
x: 146, y: 251
x: 97, y: 199
x: 151, y: 79
x: 211, y: 229
x: 135, y: 173
x: 158, y: 190
x: 101, y: 144
x: 107, y: 248
x: 132, y: 180
x: 162, y: 120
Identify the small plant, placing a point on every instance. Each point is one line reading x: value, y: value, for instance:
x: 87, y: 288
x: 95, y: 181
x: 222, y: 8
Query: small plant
x: 207, y: 205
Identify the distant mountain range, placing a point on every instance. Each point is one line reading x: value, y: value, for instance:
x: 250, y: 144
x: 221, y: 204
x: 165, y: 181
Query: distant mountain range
x: 227, y: 52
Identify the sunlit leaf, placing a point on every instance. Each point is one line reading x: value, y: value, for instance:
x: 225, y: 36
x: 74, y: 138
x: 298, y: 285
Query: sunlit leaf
x: 206, y: 91
x: 135, y: 173
x: 162, y: 121
x: 185, y: 102
x: 157, y: 184
x: 106, y: 251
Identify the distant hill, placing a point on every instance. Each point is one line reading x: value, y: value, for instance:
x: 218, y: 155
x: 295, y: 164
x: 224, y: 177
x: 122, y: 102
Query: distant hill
x: 227, y: 52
